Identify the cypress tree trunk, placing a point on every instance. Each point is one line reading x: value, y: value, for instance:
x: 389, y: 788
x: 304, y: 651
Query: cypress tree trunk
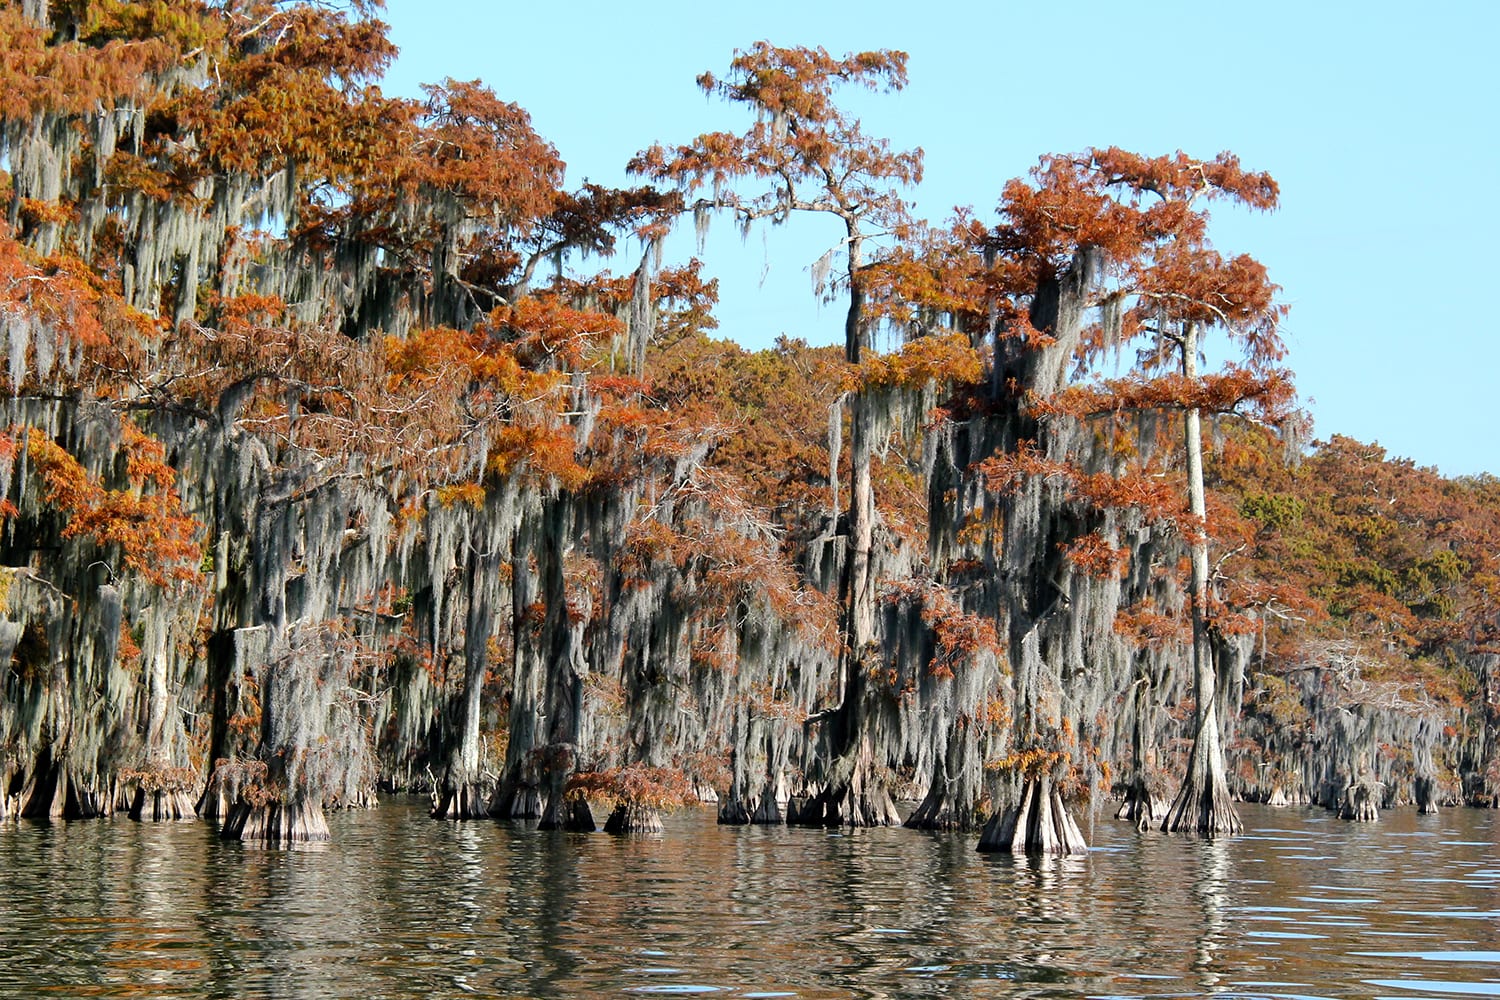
x: 758, y: 788
x: 232, y: 653
x: 1202, y: 804
x: 853, y: 796
x: 1143, y: 805
x: 564, y: 682
x: 1037, y: 526
x: 160, y: 793
x: 277, y: 824
x: 1487, y: 792
x: 519, y: 793
x: 946, y: 807
x: 1361, y: 802
x: 768, y: 811
x: 283, y: 810
x: 1036, y: 824
x: 162, y: 804
x: 633, y: 817
x: 464, y: 794
x: 1424, y: 791
x: 854, y: 792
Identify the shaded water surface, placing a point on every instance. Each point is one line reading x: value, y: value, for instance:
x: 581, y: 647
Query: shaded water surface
x: 405, y: 906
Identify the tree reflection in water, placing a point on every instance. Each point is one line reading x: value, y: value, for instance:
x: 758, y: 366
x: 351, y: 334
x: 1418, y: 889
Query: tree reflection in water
x: 400, y: 907
x: 1211, y: 890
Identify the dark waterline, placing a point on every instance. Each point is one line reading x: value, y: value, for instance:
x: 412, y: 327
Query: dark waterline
x: 404, y: 906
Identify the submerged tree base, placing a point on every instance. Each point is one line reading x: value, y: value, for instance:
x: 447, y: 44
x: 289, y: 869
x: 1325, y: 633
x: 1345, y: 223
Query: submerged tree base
x: 573, y: 816
x: 276, y: 823
x: 1038, y: 824
x: 1142, y: 806
x: 1203, y: 806
x: 53, y: 792
x: 1424, y: 790
x: 633, y: 817
x: 518, y: 801
x: 162, y: 806
x: 762, y: 812
x: 1360, y: 802
x: 938, y: 811
x: 855, y: 796
x: 469, y: 800
x: 846, y: 807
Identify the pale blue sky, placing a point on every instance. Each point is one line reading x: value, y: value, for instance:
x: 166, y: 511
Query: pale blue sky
x: 1379, y: 119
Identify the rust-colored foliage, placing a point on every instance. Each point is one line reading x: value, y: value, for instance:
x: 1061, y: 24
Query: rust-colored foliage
x: 292, y: 95
x: 803, y: 133
x: 804, y: 153
x: 958, y: 635
x: 1095, y: 555
x: 1146, y: 627
x: 483, y: 153
x: 1145, y: 217
x: 938, y: 360
x: 145, y: 519
x: 637, y: 784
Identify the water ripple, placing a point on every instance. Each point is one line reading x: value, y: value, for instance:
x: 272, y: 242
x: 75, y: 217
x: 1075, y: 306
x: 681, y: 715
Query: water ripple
x: 401, y: 906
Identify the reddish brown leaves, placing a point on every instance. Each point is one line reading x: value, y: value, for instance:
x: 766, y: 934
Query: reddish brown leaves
x: 483, y: 153
x: 1095, y: 555
x: 801, y: 133
x: 1143, y: 216
x: 637, y: 784
x: 920, y: 363
x: 958, y: 635
x: 1180, y: 177
x: 1266, y: 394
x: 145, y: 519
x: 59, y: 292
x: 798, y: 82
x: 1146, y: 627
x: 807, y: 153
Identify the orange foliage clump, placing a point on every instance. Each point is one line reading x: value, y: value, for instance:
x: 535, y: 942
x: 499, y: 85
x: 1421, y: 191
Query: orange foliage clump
x: 925, y: 361
x: 155, y: 538
x: 1094, y: 555
x: 958, y: 634
x: 1146, y: 627
x: 639, y: 784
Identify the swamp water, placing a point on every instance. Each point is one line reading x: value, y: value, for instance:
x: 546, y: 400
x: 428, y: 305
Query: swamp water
x: 404, y: 906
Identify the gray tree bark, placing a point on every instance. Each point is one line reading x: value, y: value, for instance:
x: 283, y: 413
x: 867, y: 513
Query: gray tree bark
x: 1202, y: 804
